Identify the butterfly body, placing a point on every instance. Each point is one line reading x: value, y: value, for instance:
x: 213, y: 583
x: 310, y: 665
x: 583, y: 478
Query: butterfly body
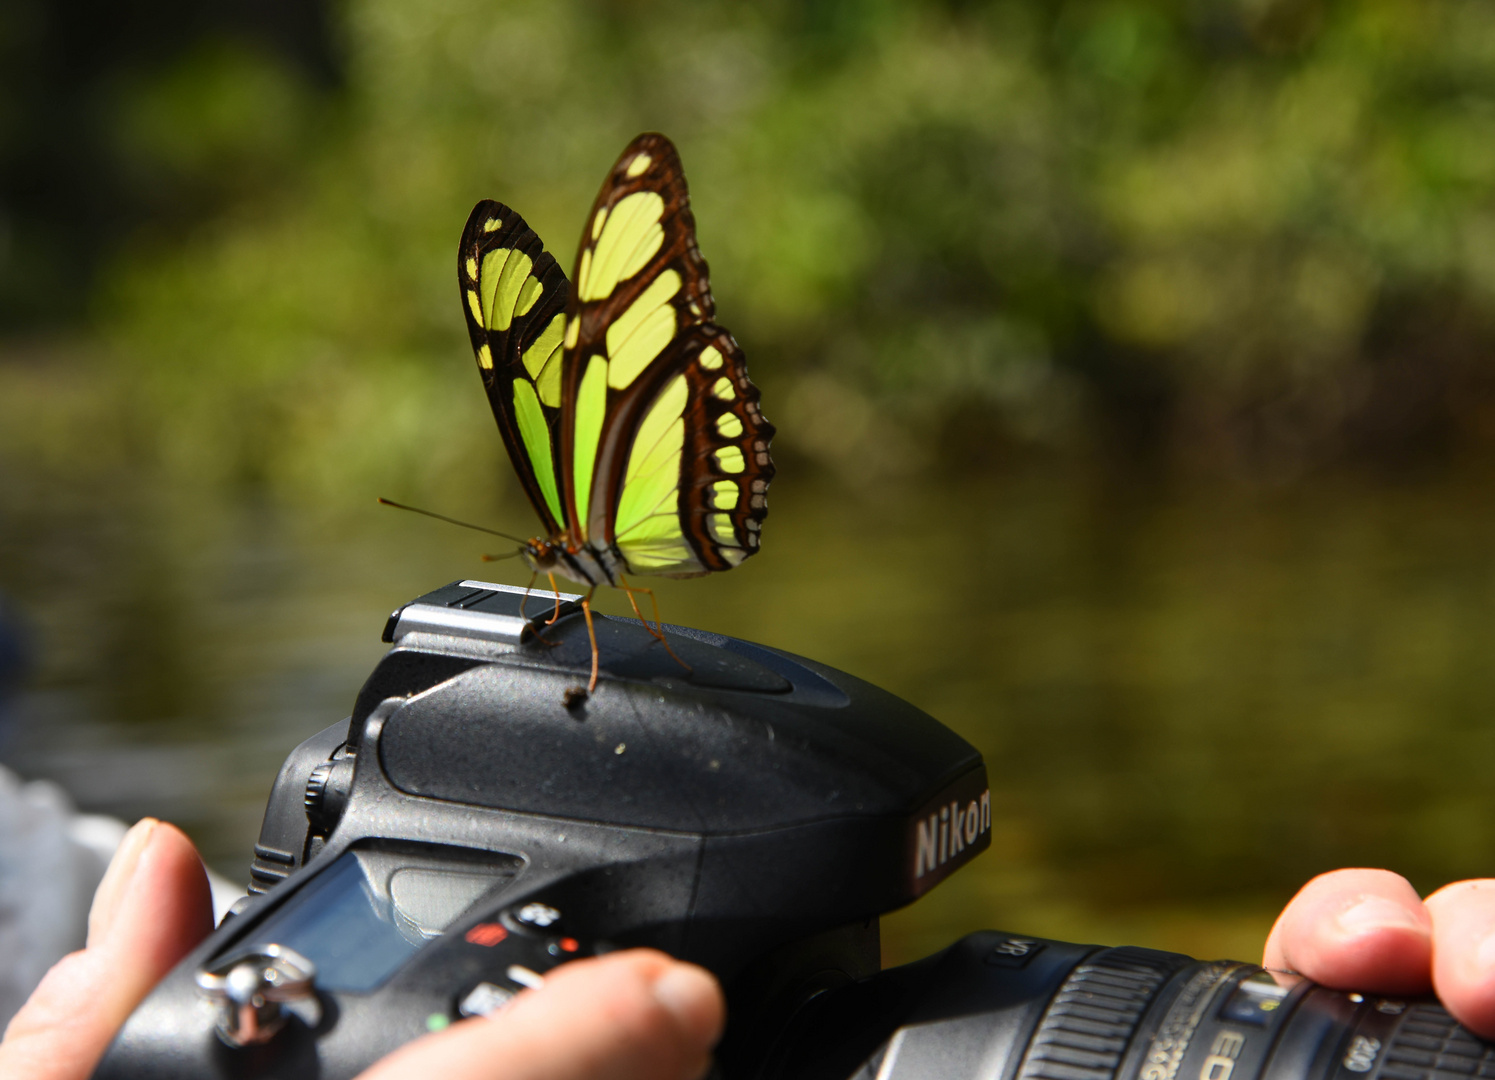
x: 627, y: 410
x: 585, y: 564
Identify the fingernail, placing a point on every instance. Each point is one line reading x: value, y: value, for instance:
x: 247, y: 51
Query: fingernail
x: 116, y: 879
x: 691, y: 995
x: 1378, y: 913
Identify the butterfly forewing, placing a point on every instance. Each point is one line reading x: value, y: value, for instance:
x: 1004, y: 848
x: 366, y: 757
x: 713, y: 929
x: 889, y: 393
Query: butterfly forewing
x: 514, y: 295
x: 640, y: 283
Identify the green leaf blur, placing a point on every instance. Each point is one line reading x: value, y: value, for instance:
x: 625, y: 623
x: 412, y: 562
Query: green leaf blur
x: 1241, y: 233
x: 1092, y: 330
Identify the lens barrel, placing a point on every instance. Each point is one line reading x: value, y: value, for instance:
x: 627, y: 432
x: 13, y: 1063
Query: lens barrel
x: 1006, y: 1007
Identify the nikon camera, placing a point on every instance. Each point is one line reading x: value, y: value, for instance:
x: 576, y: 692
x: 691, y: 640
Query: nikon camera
x: 480, y: 819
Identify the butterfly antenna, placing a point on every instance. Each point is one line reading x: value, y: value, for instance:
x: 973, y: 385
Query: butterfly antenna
x: 442, y: 517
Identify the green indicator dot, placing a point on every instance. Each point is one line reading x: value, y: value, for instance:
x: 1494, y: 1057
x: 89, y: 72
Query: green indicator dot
x: 438, y: 1022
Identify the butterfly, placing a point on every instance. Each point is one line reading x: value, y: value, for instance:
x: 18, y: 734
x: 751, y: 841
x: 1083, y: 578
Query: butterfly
x: 626, y: 409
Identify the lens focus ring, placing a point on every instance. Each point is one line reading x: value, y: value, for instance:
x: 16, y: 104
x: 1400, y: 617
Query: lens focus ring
x: 1429, y: 1044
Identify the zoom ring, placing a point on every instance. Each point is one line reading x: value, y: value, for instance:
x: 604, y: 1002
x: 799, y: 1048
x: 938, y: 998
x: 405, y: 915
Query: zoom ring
x: 1092, y: 1018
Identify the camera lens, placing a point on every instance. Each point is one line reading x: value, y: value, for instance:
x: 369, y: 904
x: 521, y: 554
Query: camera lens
x: 1001, y: 1006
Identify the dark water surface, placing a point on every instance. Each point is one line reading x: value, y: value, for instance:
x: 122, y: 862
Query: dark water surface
x: 1191, y: 697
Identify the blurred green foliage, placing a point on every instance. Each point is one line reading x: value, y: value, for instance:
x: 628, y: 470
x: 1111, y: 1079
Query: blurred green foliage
x: 1234, y: 236
x: 1257, y: 232
x: 116, y: 118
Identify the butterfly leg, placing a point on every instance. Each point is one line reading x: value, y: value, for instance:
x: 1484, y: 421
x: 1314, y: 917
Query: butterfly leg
x: 525, y: 598
x: 555, y: 589
x: 629, y: 590
x: 541, y: 638
x: 586, y: 609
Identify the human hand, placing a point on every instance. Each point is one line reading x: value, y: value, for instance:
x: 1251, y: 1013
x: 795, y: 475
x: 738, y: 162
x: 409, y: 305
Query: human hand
x: 628, y: 1015
x: 1368, y: 930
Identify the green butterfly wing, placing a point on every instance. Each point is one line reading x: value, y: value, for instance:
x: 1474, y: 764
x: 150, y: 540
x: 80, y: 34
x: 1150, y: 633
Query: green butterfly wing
x: 693, y: 494
x: 514, y: 295
x: 664, y: 446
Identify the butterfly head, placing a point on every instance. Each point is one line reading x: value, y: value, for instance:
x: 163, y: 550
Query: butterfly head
x: 542, y: 556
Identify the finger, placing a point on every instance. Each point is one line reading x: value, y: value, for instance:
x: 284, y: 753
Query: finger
x: 636, y: 1015
x: 1356, y: 930
x: 1464, y: 952
x: 151, y: 908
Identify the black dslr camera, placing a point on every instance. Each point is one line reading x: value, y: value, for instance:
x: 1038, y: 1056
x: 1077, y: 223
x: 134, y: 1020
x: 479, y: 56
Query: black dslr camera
x: 475, y: 823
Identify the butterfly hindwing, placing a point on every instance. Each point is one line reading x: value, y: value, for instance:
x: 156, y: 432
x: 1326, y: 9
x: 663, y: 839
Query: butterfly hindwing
x: 693, y: 494
x: 514, y: 294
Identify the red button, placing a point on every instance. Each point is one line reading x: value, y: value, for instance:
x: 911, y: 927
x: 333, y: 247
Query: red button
x: 569, y: 944
x: 487, y: 933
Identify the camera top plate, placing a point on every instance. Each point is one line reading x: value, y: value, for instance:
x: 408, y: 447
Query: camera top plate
x: 745, y: 738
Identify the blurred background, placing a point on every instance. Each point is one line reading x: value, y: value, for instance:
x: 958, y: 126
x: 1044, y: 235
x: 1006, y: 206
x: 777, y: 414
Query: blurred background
x: 1132, y: 365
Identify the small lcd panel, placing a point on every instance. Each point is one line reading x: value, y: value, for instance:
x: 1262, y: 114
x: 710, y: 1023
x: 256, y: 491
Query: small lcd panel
x: 360, y: 919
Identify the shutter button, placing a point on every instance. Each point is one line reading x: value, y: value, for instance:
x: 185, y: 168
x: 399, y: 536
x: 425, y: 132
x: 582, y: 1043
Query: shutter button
x: 256, y: 988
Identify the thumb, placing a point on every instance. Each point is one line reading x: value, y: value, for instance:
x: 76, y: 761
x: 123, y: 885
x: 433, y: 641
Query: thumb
x: 1356, y: 930
x: 636, y: 1015
x: 151, y: 908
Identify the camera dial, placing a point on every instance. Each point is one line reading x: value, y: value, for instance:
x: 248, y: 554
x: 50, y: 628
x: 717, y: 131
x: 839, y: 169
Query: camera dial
x: 257, y: 989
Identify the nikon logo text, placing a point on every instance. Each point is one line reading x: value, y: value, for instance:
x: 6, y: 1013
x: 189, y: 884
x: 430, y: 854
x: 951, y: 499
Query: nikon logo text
x: 948, y: 831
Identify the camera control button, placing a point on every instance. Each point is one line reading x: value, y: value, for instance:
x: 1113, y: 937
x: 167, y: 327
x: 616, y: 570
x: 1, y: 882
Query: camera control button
x: 538, y: 915
x: 486, y: 934
x: 484, y: 998
x: 525, y: 977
